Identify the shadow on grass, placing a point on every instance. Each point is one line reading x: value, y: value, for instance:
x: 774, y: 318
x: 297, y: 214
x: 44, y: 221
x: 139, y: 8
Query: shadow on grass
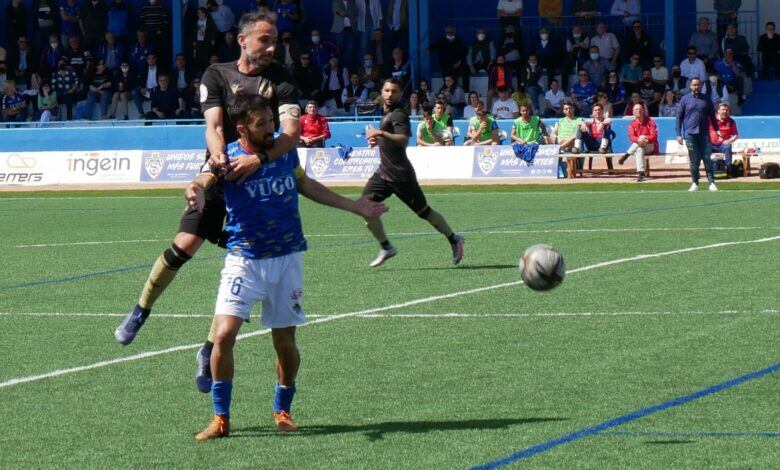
x: 377, y: 431
x: 467, y: 267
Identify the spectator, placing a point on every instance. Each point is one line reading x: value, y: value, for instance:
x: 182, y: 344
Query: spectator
x: 141, y: 49
x: 111, y: 52
x: 14, y: 105
x: 598, y: 68
x: 693, y: 66
x: 353, y: 94
x: 118, y: 19
x: 583, y: 93
x: 585, y: 11
x: 398, y: 68
x: 425, y: 92
x: 93, y: 21
x: 345, y: 17
x: 20, y: 63
x: 568, y: 132
x: 69, y: 20
x: 732, y: 74
x: 381, y: 49
x: 577, y: 49
x: 314, y: 127
x: 192, y: 100
x: 335, y: 78
x: 228, y: 50
x: 659, y: 72
x: 287, y: 15
x: 430, y: 133
x: 77, y: 56
x: 452, y: 56
x: 67, y: 86
x: 223, y: 17
x: 48, y: 107
x: 505, y: 107
x: 635, y: 99
x: 551, y: 10
x: 98, y: 89
x: 471, y: 108
x: 398, y: 23
x: 50, y: 57
x: 553, y: 100
x: 167, y: 103
x: 606, y: 106
x: 15, y: 21
x: 606, y: 43
x: 531, y: 74
x: 444, y: 119
x: 725, y: 134
x: 597, y: 134
x: 370, y: 74
x: 214, y: 59
x: 155, y: 22
x: 453, y: 94
x: 205, y: 43
x: 705, y: 42
x: 414, y: 106
x: 548, y: 52
x: 509, y: 12
x: 616, y: 93
x: 3, y: 77
x: 628, y: 10
x: 257, y: 5
x: 769, y: 47
x: 321, y: 51
x: 726, y: 11
x: 307, y: 77
x: 528, y: 129
x: 287, y: 50
x: 181, y: 75
x: 45, y: 17
x: 369, y: 19
x: 500, y: 75
x: 124, y: 84
x: 678, y: 84
x: 639, y: 43
x: 482, y: 130
x: 632, y: 71
x: 741, y: 48
x: 694, y: 116
x: 669, y: 105
x: 511, y: 47
x: 146, y: 81
x: 521, y: 97
x: 643, y: 134
x: 482, y: 53
x: 650, y: 91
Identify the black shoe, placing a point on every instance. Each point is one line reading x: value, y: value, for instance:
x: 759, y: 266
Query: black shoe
x: 623, y: 159
x: 640, y: 177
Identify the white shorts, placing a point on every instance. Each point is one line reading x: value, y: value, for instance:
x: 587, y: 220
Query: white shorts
x: 276, y: 282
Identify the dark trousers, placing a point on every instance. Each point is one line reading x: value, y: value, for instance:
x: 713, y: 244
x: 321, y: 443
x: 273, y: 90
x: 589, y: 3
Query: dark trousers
x: 724, y: 149
x: 699, y: 148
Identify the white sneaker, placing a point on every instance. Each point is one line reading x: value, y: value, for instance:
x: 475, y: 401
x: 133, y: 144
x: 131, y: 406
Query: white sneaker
x: 712, y: 187
x: 694, y: 187
x: 383, y: 256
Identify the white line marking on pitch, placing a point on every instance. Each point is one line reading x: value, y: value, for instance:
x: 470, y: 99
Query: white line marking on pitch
x: 117, y: 315
x: 106, y: 242
x: 186, y: 347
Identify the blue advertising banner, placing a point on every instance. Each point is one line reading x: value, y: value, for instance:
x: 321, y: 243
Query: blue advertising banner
x: 501, y: 162
x: 171, y: 165
x: 325, y: 164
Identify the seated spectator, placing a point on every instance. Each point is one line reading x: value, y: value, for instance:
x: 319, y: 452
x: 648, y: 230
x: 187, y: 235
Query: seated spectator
x: 553, y: 100
x: 598, y: 68
x: 528, y: 129
x: 499, y: 75
x: 522, y: 97
x: 181, y: 74
x: 769, y: 47
x: 606, y: 43
x: 651, y: 92
x: 632, y: 71
x: 20, y: 64
x: 334, y: 79
x: 314, y: 127
x: 635, y: 99
x: 482, y: 130
x: 353, y: 94
x: 639, y: 43
x: 505, y: 107
x: 228, y: 50
x: 511, y: 47
x: 93, y: 21
x: 669, y: 105
x: 146, y: 80
x: 716, y: 89
x: 732, y: 74
x: 616, y: 93
x: 112, y: 52
x: 14, y: 106
x: 192, y: 100
x: 441, y: 116
x: 51, y: 55
x: 380, y: 49
x: 471, y: 109
x: 584, y: 12
x: 413, y: 106
x: 741, y: 48
x: 205, y: 40
x: 155, y: 20
x: 223, y: 16
x: 659, y: 73
x: 98, y: 89
x: 603, y: 100
x: 678, y: 84
x: 568, y: 132
x: 509, y: 12
x: 425, y: 92
x: 453, y: 94
x: 531, y: 74
x: 452, y: 55
x: 481, y: 53
x: 124, y: 84
x: 705, y: 42
x: 67, y: 85
x: 167, y: 103
x: 308, y: 78
x: 627, y: 10
x: 430, y: 133
x: 77, y: 56
x: 287, y: 50
x: 398, y: 67
x: 725, y: 134
x: 48, y: 107
x: 597, y: 133
x: 577, y: 50
x: 643, y: 134
x: 214, y: 59
x: 287, y: 15
x: 3, y: 76
x: 583, y: 93
x: 549, y: 52
x: 321, y: 51
x: 141, y: 49
x: 370, y: 75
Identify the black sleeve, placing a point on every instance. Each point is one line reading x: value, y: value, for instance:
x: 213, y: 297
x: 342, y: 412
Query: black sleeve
x: 401, y: 125
x: 286, y: 90
x: 212, y: 88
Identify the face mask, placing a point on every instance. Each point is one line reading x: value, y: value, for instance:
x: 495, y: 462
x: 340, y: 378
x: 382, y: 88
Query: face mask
x: 450, y: 37
x: 53, y: 45
x: 368, y: 63
x: 613, y: 80
x: 125, y: 69
x: 594, y: 56
x: 713, y: 80
x: 532, y: 64
x: 480, y: 37
x: 544, y: 36
x: 315, y: 39
x: 577, y: 36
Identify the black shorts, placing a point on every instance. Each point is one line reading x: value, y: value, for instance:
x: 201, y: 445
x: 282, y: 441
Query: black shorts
x: 409, y: 192
x: 209, y: 223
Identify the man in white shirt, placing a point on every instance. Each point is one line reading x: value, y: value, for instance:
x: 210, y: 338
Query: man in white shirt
x: 629, y: 10
x: 223, y: 16
x: 609, y: 47
x: 659, y: 73
x: 693, y: 66
x: 554, y: 100
x: 505, y: 107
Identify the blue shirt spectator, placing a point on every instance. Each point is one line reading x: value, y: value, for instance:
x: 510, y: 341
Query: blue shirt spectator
x: 69, y: 26
x: 727, y: 72
x: 140, y: 50
x: 285, y: 15
x: 118, y: 16
x: 694, y: 115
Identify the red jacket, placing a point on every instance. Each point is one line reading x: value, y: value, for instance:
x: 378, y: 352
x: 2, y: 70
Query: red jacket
x: 312, y: 126
x: 727, y: 128
x: 647, y: 128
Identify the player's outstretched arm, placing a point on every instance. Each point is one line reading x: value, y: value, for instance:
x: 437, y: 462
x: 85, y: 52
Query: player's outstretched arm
x: 195, y: 193
x: 317, y: 192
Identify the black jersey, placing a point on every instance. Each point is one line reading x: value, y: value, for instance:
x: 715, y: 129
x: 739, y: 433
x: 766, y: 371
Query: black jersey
x: 395, y: 165
x: 221, y: 81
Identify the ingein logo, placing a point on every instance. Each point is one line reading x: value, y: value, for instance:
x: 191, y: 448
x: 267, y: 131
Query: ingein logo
x: 319, y: 163
x: 154, y: 165
x: 487, y: 160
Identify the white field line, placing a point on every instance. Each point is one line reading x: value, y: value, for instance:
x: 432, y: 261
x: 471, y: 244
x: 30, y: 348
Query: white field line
x: 116, y: 315
x: 488, y: 232
x: 424, y: 300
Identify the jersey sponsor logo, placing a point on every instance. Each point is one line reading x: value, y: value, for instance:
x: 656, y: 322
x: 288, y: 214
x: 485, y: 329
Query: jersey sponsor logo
x: 20, y: 177
x: 94, y: 164
x: 154, y: 165
x: 319, y: 163
x: 268, y: 186
x: 487, y: 160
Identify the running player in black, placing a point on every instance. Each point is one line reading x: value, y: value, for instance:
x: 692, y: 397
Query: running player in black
x: 253, y: 72
x: 396, y: 175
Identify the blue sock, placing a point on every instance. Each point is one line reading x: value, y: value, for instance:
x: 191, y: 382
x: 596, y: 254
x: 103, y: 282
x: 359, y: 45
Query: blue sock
x: 283, y: 397
x: 221, y: 393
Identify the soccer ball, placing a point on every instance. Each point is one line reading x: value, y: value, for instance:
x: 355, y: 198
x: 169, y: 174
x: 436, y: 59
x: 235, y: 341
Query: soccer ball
x: 542, y: 267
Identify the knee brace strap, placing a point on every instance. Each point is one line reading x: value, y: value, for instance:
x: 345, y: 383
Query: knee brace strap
x: 175, y: 257
x: 423, y: 214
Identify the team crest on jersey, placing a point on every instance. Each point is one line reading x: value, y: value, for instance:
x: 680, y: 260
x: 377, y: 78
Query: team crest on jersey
x: 487, y: 160
x: 265, y: 89
x: 154, y: 165
x: 319, y: 163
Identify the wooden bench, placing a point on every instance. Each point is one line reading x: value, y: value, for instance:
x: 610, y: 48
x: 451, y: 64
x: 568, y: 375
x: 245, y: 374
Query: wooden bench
x: 573, y: 170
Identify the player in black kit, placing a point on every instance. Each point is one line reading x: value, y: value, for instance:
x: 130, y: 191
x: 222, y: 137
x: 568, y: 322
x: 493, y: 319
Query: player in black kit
x: 396, y: 175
